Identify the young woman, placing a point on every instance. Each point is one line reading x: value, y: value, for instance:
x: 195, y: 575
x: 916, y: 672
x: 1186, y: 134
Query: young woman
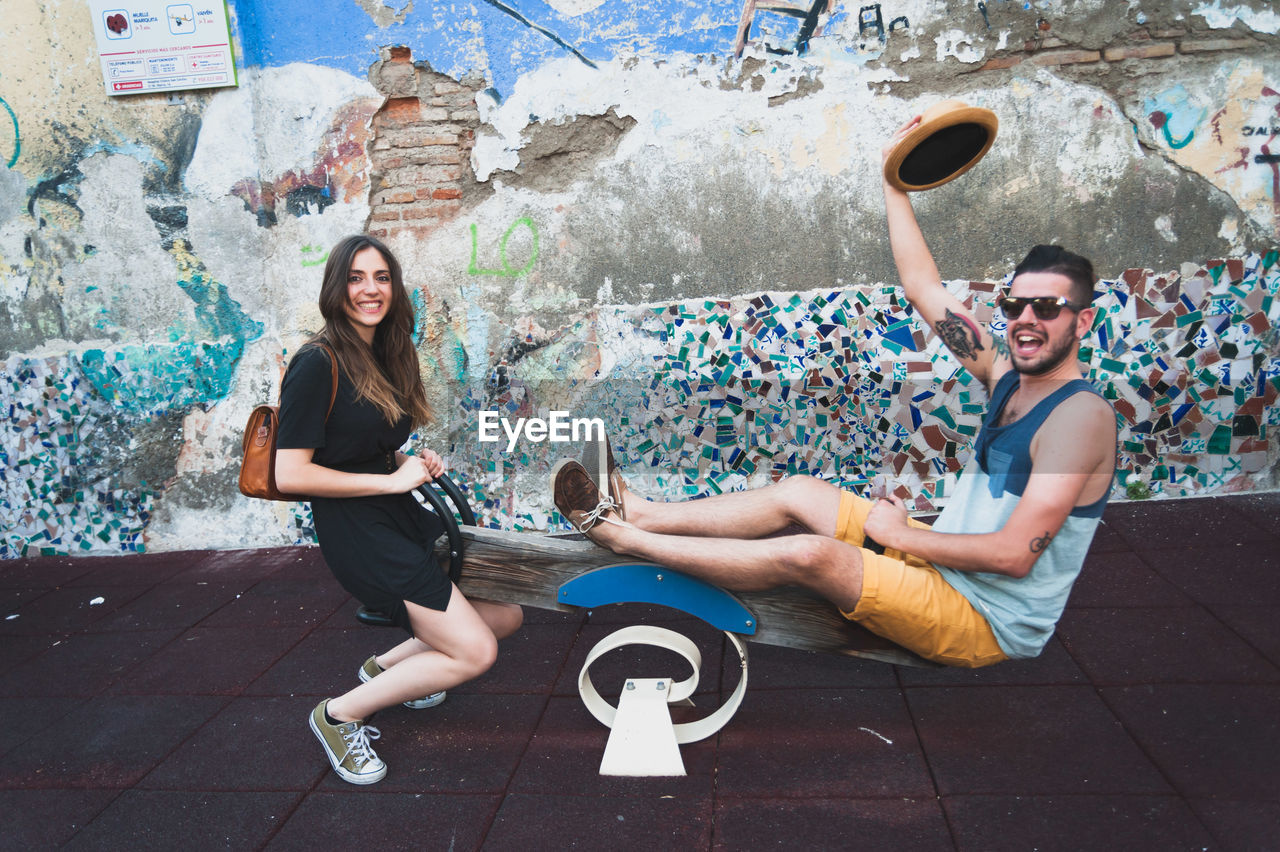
x: 375, y: 537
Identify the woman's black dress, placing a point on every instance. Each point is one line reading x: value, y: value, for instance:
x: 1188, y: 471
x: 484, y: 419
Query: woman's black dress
x: 380, y: 548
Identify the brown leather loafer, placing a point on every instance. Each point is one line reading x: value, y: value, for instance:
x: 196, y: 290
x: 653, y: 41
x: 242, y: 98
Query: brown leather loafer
x: 578, y: 498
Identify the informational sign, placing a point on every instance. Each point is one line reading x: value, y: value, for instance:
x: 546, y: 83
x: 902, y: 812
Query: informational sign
x: 148, y: 46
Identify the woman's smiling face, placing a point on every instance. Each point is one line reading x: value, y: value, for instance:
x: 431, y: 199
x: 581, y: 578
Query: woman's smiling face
x: 368, y: 291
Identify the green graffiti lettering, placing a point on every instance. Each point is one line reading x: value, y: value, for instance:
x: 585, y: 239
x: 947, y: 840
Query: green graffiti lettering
x: 506, y: 270
x: 312, y: 250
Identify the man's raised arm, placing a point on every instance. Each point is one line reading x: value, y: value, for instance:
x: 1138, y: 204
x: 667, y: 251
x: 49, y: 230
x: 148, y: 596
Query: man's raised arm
x: 985, y: 358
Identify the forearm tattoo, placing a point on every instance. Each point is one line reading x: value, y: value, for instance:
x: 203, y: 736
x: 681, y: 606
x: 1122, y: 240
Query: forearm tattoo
x: 960, y: 335
x: 999, y: 346
x: 1039, y: 544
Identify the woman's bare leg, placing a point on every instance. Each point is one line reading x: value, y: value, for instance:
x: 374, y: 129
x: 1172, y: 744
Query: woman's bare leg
x: 503, y: 619
x: 459, y: 644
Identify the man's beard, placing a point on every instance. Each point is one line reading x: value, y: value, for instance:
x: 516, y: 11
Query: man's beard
x: 1053, y: 354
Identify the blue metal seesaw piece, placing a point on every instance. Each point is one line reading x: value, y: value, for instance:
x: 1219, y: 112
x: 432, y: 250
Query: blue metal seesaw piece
x: 644, y: 583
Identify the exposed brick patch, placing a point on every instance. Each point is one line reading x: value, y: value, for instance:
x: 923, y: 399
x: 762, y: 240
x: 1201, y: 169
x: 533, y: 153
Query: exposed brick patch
x: 393, y: 196
x: 1139, y: 51
x: 1065, y: 57
x: 1207, y: 45
x: 399, y: 112
x: 1001, y: 62
x: 431, y: 210
x: 1139, y: 45
x: 421, y: 154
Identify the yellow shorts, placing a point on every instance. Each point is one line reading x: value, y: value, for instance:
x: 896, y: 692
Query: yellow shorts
x: 906, y: 600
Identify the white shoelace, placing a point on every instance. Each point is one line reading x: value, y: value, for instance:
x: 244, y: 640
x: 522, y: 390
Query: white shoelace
x: 358, y: 747
x: 590, y: 519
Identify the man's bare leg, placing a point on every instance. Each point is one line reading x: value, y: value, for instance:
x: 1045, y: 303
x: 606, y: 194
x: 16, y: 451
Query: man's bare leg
x: 802, y: 500
x: 829, y: 567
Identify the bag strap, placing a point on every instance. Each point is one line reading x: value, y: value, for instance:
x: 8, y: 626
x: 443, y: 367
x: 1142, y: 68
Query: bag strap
x: 333, y: 380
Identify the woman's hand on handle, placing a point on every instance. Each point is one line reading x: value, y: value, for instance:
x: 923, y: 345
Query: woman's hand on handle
x: 412, y: 472
x: 416, y: 470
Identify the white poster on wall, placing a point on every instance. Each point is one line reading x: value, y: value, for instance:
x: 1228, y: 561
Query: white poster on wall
x: 150, y: 46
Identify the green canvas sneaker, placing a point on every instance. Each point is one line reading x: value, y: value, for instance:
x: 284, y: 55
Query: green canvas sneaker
x: 347, y: 745
x: 371, y: 669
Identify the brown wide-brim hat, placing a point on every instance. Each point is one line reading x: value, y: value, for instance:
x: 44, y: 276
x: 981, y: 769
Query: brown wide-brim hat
x: 949, y: 140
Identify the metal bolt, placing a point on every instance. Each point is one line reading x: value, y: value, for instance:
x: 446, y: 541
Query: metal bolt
x: 661, y: 685
x: 631, y: 684
x: 748, y: 622
x: 659, y: 578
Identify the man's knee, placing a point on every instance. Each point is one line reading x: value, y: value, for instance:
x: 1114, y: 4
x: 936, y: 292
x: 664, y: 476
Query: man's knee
x: 802, y: 495
x: 825, y: 565
x: 808, y: 555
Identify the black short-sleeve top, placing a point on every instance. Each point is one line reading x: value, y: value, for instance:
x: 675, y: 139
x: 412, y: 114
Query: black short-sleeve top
x: 356, y: 438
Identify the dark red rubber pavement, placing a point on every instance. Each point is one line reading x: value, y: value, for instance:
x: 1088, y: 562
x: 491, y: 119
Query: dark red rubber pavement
x: 172, y: 715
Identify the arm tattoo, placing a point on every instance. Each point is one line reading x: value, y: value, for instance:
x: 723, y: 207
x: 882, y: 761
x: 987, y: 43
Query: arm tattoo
x: 1039, y: 544
x: 1000, y: 346
x: 960, y: 335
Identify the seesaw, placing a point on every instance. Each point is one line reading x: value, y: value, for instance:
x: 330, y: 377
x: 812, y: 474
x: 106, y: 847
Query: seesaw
x: 566, y: 572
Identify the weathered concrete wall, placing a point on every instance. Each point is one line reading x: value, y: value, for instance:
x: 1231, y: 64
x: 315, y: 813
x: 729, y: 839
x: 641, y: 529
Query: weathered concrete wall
x: 664, y: 215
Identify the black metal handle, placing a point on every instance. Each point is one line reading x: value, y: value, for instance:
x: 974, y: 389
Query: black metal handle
x: 454, y: 493
x: 436, y: 502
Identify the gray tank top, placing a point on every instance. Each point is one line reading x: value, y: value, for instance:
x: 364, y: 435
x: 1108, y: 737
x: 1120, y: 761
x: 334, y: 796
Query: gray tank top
x: 1022, y: 611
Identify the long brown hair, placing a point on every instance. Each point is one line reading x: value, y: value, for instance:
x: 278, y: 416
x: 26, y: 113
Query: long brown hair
x: 387, y: 373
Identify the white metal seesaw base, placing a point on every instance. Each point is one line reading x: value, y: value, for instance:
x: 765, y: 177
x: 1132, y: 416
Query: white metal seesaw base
x: 642, y: 739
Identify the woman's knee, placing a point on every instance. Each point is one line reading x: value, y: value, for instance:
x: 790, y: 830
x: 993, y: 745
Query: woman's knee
x: 511, y: 619
x: 483, y: 654
x: 476, y: 652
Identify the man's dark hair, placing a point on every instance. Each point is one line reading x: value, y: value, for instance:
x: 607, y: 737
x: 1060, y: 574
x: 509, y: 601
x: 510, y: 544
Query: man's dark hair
x: 1058, y: 260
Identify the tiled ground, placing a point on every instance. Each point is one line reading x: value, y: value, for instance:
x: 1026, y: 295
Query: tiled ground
x: 172, y: 714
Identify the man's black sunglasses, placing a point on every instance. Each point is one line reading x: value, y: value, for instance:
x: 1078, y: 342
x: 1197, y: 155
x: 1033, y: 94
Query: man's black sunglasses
x: 1045, y: 307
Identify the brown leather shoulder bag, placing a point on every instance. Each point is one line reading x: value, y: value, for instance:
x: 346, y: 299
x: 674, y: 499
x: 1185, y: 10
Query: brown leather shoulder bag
x: 258, y: 462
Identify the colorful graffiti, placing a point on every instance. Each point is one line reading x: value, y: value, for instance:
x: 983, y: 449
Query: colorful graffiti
x: 125, y: 356
x: 1174, y: 117
x: 1227, y: 136
x: 781, y: 28
x: 91, y: 436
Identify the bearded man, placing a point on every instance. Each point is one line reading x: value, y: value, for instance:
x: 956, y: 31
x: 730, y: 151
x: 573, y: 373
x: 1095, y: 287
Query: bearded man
x: 989, y: 579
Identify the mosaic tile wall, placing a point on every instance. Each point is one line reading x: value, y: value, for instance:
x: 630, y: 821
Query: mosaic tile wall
x: 714, y: 395
x: 847, y: 385
x: 60, y: 491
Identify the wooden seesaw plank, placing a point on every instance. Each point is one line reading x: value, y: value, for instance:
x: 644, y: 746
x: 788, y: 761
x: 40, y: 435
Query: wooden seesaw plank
x: 529, y: 568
